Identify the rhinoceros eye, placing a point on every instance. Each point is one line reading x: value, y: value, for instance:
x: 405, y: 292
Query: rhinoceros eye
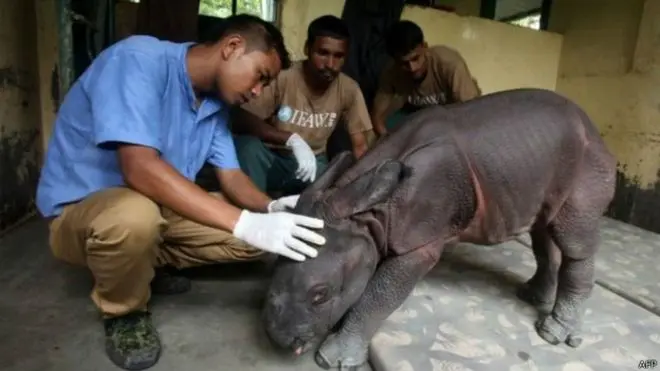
x: 320, y: 295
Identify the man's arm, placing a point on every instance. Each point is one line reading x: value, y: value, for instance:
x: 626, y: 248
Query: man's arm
x: 251, y: 117
x: 386, y: 101
x: 145, y: 172
x: 379, y: 113
x: 463, y: 86
x: 126, y: 107
x: 357, y: 119
x: 234, y: 183
x: 359, y: 142
x: 247, y: 122
x: 240, y: 189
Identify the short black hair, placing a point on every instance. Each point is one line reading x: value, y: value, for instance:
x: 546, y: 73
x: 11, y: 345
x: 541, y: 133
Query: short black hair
x: 327, y: 26
x: 260, y: 35
x: 402, y: 38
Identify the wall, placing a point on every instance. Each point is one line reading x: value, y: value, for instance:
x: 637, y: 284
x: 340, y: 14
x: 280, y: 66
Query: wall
x: 467, y: 7
x: 611, y: 66
x: 20, y: 147
x: 295, y: 16
x: 512, y: 8
x: 519, y: 56
x: 501, y: 56
x: 125, y: 19
x: 47, y: 49
x: 462, y: 7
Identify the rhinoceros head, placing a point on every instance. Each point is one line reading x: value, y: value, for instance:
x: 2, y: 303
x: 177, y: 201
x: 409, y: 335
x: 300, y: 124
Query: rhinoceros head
x: 306, y: 299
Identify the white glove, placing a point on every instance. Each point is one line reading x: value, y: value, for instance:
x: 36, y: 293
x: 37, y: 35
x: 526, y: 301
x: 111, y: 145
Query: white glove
x: 280, y: 233
x: 305, y: 157
x: 283, y: 203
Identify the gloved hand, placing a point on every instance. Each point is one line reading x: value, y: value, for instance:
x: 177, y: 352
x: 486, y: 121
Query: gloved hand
x: 283, y: 203
x: 305, y: 157
x: 280, y: 233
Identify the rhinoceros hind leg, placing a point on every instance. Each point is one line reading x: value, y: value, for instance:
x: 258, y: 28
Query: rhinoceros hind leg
x: 577, y: 238
x: 541, y: 289
x: 575, y: 283
x: 575, y: 231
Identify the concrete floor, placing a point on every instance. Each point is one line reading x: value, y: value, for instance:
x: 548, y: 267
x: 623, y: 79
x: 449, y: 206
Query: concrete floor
x: 462, y: 316
x: 48, y: 322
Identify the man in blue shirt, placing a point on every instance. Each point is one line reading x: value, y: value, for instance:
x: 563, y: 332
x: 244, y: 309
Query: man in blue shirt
x: 118, y: 180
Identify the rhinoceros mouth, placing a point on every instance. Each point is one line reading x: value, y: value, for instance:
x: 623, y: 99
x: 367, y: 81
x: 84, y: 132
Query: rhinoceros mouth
x: 300, y: 346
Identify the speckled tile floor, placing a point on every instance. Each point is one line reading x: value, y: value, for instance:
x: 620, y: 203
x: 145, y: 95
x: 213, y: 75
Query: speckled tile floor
x: 463, y: 316
x: 48, y: 323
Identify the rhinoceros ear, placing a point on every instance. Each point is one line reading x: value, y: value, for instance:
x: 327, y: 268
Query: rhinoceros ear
x: 337, y: 167
x: 368, y: 190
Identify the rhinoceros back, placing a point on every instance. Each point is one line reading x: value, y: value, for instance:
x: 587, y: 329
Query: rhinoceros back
x: 525, y: 147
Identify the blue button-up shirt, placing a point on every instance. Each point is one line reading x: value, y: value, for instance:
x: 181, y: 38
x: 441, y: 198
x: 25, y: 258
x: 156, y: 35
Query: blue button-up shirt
x: 136, y: 91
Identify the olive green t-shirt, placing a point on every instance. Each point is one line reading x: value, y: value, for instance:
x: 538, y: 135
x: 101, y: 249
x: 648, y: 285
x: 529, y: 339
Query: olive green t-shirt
x: 289, y: 105
x: 448, y: 80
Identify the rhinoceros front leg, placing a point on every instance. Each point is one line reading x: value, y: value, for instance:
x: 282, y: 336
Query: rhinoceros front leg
x: 541, y: 290
x: 386, y: 291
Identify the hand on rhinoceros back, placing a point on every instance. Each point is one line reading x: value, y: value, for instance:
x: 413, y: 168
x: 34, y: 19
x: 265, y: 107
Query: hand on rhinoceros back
x: 281, y: 233
x: 283, y: 203
x: 305, y: 156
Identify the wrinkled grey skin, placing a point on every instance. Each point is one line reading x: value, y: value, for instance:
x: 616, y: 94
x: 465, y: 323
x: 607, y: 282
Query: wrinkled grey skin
x: 521, y: 161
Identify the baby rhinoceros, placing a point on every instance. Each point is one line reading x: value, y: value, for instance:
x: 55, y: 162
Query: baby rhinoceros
x: 484, y: 171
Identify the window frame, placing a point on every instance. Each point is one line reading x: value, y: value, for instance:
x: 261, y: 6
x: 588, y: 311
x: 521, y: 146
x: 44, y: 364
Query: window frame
x: 487, y: 10
x: 234, y: 8
x: 520, y: 16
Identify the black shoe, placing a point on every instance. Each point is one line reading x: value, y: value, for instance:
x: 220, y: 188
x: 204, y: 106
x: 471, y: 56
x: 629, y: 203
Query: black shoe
x: 131, y: 341
x: 165, y: 283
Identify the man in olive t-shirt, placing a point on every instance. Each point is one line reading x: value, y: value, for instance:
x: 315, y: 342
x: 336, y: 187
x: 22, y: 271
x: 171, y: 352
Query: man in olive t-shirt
x: 286, y: 128
x: 418, y: 76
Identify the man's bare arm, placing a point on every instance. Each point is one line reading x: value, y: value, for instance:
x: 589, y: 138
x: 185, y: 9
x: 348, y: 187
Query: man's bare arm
x: 360, y: 145
x: 382, y: 108
x: 357, y: 120
x: 378, y: 121
x: 148, y: 174
x: 248, y: 123
x: 385, y: 103
x: 240, y: 189
x: 463, y: 86
x: 386, y: 100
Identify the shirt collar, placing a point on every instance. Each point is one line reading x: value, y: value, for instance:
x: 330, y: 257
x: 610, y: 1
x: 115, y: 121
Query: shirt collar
x: 208, y: 105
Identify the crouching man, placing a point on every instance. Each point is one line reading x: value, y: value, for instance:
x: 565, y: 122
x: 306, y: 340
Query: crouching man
x: 117, y: 184
x: 418, y: 76
x: 283, y: 134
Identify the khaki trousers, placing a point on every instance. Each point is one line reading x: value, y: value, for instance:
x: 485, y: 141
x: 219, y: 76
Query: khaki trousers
x: 121, y: 236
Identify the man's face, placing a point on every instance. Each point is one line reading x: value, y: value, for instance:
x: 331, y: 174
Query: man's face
x: 242, y: 76
x: 326, y: 56
x: 414, y: 63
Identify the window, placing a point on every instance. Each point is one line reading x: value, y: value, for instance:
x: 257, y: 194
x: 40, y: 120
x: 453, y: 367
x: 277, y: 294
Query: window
x: 264, y: 9
x: 532, y: 21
